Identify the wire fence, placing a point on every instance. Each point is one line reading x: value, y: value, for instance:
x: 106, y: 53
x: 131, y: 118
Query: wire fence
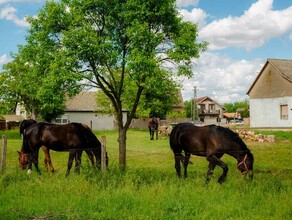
x: 134, y: 158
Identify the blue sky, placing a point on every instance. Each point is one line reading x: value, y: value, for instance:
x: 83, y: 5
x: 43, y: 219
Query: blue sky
x: 242, y: 35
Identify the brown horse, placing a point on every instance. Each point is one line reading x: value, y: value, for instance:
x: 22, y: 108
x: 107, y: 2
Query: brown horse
x: 73, y: 137
x: 25, y: 124
x: 211, y: 142
x: 73, y: 154
x: 153, y: 127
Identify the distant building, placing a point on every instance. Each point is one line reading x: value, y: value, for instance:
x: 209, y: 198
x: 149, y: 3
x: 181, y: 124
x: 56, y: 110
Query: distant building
x: 271, y: 96
x: 83, y: 108
x: 209, y: 109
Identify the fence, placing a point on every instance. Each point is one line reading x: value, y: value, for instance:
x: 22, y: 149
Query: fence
x: 3, y: 153
x: 11, y: 157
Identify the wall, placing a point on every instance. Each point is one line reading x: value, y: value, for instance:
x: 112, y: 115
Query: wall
x: 96, y: 121
x: 266, y: 113
x: 143, y: 123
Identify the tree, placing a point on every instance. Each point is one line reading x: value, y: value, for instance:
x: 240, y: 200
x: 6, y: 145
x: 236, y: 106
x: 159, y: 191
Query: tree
x: 124, y: 48
x: 241, y: 107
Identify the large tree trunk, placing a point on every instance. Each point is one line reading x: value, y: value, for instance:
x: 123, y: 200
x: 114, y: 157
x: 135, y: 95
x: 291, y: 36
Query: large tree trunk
x: 122, y: 148
x: 121, y: 139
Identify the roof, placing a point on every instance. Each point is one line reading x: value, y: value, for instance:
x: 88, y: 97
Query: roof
x: 283, y: 67
x: 180, y: 103
x: 202, y: 99
x: 84, y: 101
x: 16, y: 118
x: 231, y: 114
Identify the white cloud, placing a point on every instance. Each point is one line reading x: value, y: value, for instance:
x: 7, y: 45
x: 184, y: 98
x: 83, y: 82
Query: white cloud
x: 221, y: 78
x: 4, y: 59
x: 251, y: 30
x: 9, y: 13
x: 185, y: 3
x: 197, y: 16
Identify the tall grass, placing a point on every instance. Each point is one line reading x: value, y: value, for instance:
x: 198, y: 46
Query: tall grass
x: 149, y: 188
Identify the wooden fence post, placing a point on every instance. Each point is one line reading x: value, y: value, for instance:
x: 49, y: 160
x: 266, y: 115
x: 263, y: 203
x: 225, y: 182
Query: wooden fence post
x: 3, y: 153
x: 103, y: 153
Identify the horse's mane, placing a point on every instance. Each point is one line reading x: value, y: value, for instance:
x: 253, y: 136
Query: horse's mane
x: 234, y: 136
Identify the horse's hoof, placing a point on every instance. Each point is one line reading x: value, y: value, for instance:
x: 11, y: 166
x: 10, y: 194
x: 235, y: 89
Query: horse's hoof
x: 29, y: 171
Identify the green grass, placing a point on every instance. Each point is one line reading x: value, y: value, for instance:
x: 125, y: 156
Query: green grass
x: 149, y: 189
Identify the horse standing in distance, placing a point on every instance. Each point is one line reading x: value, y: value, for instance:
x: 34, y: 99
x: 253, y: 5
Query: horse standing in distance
x: 211, y: 142
x: 153, y: 127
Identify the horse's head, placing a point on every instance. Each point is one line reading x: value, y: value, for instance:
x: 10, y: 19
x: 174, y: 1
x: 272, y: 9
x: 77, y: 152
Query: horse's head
x: 23, y: 160
x: 245, y: 164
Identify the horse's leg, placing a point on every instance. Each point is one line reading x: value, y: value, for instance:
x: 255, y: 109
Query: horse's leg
x: 156, y: 133
x: 35, y: 160
x: 90, y: 156
x: 215, y: 160
x: 151, y: 134
x: 52, y: 169
x: 211, y: 168
x: 97, y: 157
x: 177, y: 158
x: 186, y: 163
x: 70, y: 161
x: 78, y: 155
x: 47, y: 159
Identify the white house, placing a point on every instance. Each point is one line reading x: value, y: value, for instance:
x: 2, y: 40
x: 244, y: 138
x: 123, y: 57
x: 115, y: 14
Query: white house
x: 83, y: 108
x: 271, y: 96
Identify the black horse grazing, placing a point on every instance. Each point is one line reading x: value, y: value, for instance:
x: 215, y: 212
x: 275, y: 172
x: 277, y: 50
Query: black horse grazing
x: 73, y: 137
x: 153, y: 127
x: 210, y: 142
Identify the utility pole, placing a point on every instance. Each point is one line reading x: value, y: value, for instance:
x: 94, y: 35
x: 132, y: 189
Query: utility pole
x: 195, y: 105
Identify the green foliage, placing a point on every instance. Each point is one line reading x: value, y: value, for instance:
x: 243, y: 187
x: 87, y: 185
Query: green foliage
x: 127, y: 49
x: 241, y: 107
x: 149, y: 189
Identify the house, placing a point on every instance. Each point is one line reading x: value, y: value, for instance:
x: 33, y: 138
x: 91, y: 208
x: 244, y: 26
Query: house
x: 208, y: 109
x: 10, y: 121
x: 83, y: 108
x: 180, y: 105
x: 271, y: 96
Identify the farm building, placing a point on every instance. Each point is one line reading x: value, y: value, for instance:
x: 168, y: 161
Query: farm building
x: 83, y: 108
x: 271, y: 96
x: 10, y: 121
x: 208, y: 109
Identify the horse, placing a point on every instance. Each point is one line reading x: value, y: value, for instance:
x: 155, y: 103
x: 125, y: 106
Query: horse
x: 72, y: 137
x: 212, y: 142
x: 25, y: 124
x: 153, y: 127
x: 73, y: 154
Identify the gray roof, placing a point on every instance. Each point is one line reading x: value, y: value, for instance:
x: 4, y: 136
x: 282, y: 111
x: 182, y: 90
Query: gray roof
x: 284, y: 67
x: 16, y: 118
x: 84, y: 101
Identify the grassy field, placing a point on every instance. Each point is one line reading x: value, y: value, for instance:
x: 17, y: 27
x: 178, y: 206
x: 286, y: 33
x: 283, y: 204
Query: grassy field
x: 149, y: 188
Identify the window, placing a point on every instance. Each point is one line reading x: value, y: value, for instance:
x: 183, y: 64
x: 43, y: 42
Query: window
x: 62, y: 120
x: 284, y: 112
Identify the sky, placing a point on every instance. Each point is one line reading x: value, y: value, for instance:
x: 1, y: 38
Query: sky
x: 242, y: 35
